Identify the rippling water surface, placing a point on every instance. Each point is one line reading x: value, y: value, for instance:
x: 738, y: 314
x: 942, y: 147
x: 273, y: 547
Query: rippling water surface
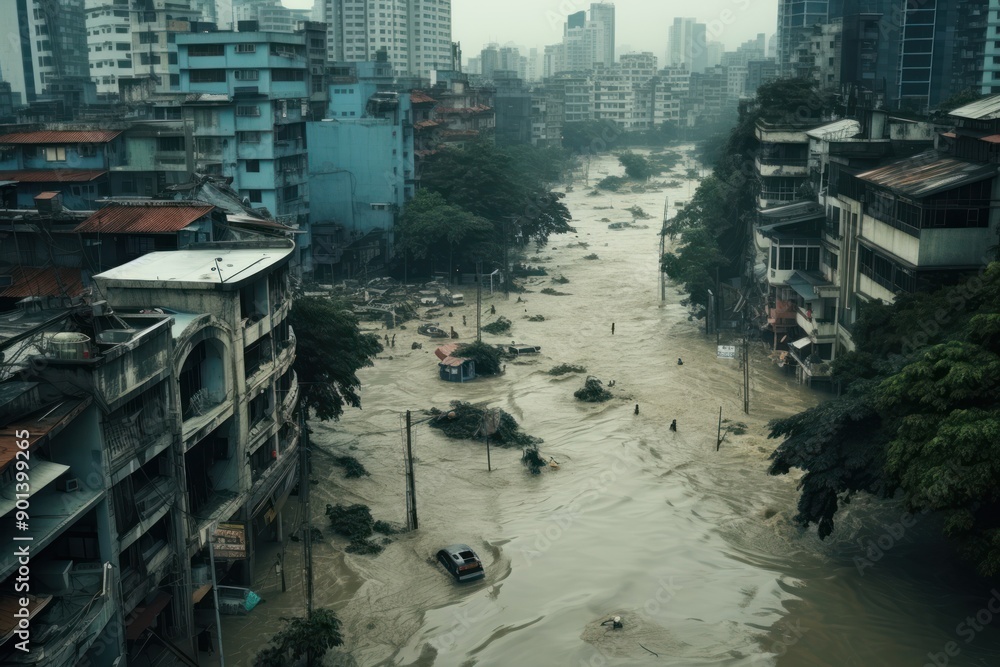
x: 693, y: 548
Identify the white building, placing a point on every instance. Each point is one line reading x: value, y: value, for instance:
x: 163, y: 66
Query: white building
x: 154, y: 31
x: 109, y: 43
x: 602, y: 15
x: 40, y: 40
x: 686, y: 45
x: 416, y: 34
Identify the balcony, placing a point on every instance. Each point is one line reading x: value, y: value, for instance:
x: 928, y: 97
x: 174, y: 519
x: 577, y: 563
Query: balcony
x: 778, y: 166
x: 152, y: 501
x: 815, y: 328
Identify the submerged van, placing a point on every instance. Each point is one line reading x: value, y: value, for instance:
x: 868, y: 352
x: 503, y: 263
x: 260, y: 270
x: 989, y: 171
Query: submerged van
x: 518, y: 350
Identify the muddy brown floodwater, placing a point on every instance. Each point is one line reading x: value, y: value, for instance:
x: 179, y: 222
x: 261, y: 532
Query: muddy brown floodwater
x: 694, y: 549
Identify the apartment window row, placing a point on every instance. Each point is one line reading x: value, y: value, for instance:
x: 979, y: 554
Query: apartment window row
x: 885, y: 272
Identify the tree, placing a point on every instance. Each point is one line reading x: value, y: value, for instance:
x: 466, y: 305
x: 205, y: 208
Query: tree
x: 309, y: 638
x: 637, y: 167
x: 431, y: 229
x: 920, y: 418
x: 590, y: 136
x: 329, y: 352
x: 488, y: 182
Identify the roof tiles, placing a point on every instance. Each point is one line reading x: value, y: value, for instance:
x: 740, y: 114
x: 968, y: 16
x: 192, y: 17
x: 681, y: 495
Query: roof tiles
x: 60, y: 137
x: 52, y: 175
x: 147, y: 217
x: 38, y: 281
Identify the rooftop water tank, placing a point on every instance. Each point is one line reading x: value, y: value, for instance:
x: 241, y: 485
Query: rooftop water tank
x: 68, y: 345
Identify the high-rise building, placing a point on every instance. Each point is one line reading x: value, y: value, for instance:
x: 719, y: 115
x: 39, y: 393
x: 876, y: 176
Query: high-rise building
x: 154, y: 33
x: 795, y: 22
x: 603, y: 15
x: 414, y: 34
x: 687, y: 45
x: 109, y: 43
x: 42, y: 42
x: 270, y: 15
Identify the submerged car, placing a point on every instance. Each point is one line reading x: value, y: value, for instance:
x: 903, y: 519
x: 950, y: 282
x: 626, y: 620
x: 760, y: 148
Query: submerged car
x: 462, y: 562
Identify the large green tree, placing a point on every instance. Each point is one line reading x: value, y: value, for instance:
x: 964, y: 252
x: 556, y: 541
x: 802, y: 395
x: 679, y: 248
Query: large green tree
x: 920, y: 417
x: 442, y: 234
x: 330, y: 349
x: 493, y: 183
x: 302, y: 639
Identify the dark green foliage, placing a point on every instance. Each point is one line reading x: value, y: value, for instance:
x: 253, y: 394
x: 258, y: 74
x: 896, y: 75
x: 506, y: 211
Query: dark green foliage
x: 532, y: 460
x: 352, y: 467
x: 440, y: 234
x: 561, y: 280
x: 590, y: 136
x: 487, y: 357
x: 498, y: 185
x: 611, y: 183
x: 563, y: 369
x: 328, y: 354
x: 638, y: 167
x: 553, y: 292
x: 384, y: 528
x: 536, y: 318
x: 920, y: 418
x: 500, y: 326
x: 464, y: 421
x: 302, y: 637
x: 593, y: 391
x: 638, y: 213
x: 354, y: 522
x: 591, y: 256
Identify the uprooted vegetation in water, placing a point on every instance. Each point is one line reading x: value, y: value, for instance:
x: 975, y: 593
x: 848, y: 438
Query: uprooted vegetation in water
x: 487, y: 357
x: 734, y: 427
x: 532, y: 459
x: 552, y: 292
x: 593, y: 391
x: 356, y: 523
x: 465, y: 421
x: 592, y: 256
x: 563, y: 369
x: 500, y: 326
x: 561, y: 280
x: 536, y: 318
x: 638, y: 213
x: 352, y: 467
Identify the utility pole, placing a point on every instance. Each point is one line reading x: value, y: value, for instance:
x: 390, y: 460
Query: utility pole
x: 304, y: 499
x: 506, y: 259
x: 411, y: 488
x: 746, y: 363
x: 215, y: 594
x: 718, y: 436
x: 479, y: 302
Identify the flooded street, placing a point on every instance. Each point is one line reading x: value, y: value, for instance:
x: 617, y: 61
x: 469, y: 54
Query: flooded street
x: 694, y: 548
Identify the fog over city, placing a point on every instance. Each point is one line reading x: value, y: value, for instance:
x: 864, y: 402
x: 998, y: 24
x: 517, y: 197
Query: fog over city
x: 641, y: 25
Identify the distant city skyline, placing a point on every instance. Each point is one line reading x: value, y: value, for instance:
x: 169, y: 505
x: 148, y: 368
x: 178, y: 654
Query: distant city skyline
x: 641, y: 24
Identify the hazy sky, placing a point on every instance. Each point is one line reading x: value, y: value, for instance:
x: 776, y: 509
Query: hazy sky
x: 641, y: 24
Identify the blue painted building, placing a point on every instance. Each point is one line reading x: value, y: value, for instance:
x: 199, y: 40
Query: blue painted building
x: 73, y: 162
x: 250, y: 95
x: 360, y: 170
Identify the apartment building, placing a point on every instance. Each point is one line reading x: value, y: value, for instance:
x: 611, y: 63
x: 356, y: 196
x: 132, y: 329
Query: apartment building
x: 109, y: 43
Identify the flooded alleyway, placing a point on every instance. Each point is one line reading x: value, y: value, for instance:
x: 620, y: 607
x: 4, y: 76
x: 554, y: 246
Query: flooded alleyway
x: 694, y: 548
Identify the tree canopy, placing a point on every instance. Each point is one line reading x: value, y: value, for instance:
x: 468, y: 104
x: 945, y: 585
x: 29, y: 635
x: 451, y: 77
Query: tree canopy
x: 329, y: 352
x: 308, y: 638
x: 443, y: 234
x: 502, y: 186
x: 920, y: 417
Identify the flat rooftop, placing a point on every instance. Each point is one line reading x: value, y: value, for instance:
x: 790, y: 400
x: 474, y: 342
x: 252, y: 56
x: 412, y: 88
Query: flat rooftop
x: 200, y: 268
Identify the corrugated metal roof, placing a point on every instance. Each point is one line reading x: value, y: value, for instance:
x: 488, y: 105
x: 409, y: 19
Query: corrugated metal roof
x: 38, y: 281
x: 52, y: 175
x: 840, y: 129
x: 143, y: 218
x: 418, y: 97
x: 446, y: 351
x: 60, y: 137
x: 422, y: 124
x: 927, y: 173
x: 985, y: 109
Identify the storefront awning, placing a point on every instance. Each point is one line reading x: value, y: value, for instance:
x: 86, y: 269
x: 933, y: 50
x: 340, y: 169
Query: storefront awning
x: 801, y: 343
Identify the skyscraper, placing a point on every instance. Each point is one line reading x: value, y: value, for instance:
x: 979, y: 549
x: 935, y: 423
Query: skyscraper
x: 587, y: 43
x: 41, y: 42
x: 602, y: 14
x: 415, y: 34
x: 687, y: 45
x: 795, y: 22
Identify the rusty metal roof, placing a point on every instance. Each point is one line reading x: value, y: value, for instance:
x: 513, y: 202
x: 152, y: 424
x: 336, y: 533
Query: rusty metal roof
x: 987, y: 108
x: 419, y: 97
x: 422, y: 124
x: 446, y: 351
x: 927, y: 173
x: 60, y: 137
x: 46, y: 422
x: 43, y: 281
x: 147, y: 217
x: 52, y: 175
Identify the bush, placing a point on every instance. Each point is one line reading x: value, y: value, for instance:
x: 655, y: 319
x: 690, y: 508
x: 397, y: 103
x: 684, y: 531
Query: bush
x: 563, y: 369
x: 532, y: 460
x: 593, y: 391
x: 500, y: 326
x: 487, y: 357
x: 536, y: 318
x: 465, y: 421
x: 638, y: 213
x: 302, y: 637
x: 561, y: 280
x: 552, y: 292
x: 611, y: 183
x: 355, y: 522
x: 592, y: 256
x: 352, y: 467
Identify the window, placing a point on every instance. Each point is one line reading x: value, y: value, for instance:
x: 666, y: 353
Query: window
x: 290, y: 193
x: 55, y: 153
x: 201, y: 50
x: 148, y: 37
x: 288, y: 75
x: 87, y: 150
x: 170, y: 143
x: 208, y: 76
x: 248, y: 110
x: 247, y: 75
x: 248, y: 137
x: 253, y: 166
x: 254, y: 196
x: 246, y: 48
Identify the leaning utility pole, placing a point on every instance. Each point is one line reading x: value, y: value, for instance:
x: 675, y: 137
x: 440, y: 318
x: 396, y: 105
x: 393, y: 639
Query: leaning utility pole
x: 746, y: 362
x: 663, y: 250
x: 479, y: 302
x: 304, y: 499
x: 411, y: 487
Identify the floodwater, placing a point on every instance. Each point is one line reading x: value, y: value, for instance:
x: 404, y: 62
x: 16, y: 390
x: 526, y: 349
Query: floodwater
x: 694, y: 548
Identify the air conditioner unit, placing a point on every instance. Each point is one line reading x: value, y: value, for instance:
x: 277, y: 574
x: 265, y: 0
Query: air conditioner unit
x: 68, y: 484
